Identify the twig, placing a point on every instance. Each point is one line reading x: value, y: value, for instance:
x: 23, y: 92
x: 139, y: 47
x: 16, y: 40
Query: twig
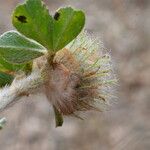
x: 20, y: 87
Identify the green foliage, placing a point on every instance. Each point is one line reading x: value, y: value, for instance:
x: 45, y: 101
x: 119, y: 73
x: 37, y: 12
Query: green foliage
x: 68, y: 23
x: 16, y: 48
x: 33, y: 20
x: 5, y: 79
x: 6, y: 66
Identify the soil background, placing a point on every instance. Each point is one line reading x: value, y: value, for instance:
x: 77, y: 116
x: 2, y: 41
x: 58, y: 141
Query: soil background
x: 124, y: 28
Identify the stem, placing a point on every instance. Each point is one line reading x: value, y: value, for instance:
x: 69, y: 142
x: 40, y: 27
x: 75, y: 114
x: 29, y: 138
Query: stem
x: 50, y: 58
x: 19, y: 88
x: 58, y: 117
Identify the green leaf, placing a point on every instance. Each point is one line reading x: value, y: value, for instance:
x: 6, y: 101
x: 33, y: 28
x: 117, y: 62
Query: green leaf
x: 5, y: 79
x: 68, y: 23
x: 33, y: 20
x: 13, y: 68
x: 16, y: 48
x: 6, y: 66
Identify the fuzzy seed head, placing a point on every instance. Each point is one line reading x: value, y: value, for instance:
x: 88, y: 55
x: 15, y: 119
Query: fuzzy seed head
x: 80, y: 77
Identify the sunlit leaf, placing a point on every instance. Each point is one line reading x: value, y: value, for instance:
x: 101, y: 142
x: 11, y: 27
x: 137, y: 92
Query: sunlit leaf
x: 68, y: 23
x: 33, y: 20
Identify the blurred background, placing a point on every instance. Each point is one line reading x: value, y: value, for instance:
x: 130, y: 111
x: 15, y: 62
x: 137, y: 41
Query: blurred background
x: 124, y: 28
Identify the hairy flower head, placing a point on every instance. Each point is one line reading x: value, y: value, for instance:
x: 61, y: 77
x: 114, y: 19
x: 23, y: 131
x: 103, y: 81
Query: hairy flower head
x: 80, y: 77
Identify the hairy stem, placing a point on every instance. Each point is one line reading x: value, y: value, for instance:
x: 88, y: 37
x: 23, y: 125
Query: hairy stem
x: 20, y: 87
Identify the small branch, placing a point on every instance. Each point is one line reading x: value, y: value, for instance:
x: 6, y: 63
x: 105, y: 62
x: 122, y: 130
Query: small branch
x: 20, y: 87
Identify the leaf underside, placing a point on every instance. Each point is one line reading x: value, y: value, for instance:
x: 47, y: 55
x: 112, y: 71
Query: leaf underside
x: 16, y: 48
